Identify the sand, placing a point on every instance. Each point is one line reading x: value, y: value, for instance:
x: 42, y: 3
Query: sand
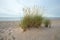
x: 10, y: 30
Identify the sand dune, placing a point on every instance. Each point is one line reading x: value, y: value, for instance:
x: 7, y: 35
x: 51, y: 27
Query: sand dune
x: 10, y: 30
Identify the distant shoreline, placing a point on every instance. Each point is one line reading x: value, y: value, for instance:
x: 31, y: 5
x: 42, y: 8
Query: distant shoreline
x: 19, y: 18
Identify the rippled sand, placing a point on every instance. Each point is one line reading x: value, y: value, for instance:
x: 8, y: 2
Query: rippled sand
x: 10, y: 30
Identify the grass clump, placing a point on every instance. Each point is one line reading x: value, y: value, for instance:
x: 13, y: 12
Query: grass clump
x: 37, y: 20
x: 25, y: 22
x: 31, y: 21
x: 32, y: 18
x: 47, y: 23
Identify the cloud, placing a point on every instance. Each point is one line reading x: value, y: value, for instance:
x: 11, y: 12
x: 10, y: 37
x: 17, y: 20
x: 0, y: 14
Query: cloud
x: 13, y: 8
x: 10, y: 8
x: 7, y: 13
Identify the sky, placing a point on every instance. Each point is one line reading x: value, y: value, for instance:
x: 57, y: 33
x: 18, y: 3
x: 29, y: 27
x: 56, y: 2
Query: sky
x: 13, y: 8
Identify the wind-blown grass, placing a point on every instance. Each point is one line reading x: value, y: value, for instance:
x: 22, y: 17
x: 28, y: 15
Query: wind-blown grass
x: 32, y: 19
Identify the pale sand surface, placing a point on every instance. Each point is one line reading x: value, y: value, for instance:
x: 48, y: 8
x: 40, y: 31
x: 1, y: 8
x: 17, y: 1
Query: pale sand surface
x: 10, y: 30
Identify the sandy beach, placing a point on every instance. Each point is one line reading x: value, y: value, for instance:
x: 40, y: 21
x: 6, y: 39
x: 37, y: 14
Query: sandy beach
x: 10, y: 30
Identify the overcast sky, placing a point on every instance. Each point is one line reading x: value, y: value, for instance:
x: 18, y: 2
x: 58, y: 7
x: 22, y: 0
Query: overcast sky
x: 13, y: 8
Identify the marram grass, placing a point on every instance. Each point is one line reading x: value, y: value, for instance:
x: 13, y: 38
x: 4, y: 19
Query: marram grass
x: 34, y: 20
